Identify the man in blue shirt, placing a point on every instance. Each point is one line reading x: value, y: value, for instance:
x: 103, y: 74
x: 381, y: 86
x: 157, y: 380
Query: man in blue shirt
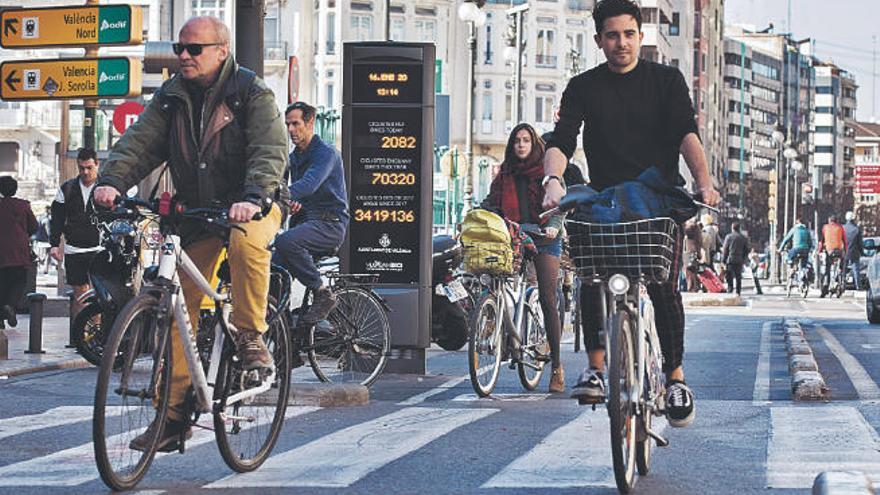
x: 319, y: 205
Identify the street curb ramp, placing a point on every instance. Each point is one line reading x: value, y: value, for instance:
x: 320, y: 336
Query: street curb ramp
x: 807, y: 382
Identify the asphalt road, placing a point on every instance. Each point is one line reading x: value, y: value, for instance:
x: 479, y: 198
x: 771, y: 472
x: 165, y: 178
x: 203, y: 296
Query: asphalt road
x: 431, y: 435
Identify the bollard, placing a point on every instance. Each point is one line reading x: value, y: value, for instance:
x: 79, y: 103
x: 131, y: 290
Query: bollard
x: 4, y: 345
x: 35, y: 333
x: 71, y: 334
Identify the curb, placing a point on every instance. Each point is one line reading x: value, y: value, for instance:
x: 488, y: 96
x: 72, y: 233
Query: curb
x: 842, y: 483
x: 60, y: 365
x: 714, y: 300
x: 807, y: 382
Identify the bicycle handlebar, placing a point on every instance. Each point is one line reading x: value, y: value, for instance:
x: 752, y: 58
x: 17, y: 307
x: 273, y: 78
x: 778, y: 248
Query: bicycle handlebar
x: 580, y: 193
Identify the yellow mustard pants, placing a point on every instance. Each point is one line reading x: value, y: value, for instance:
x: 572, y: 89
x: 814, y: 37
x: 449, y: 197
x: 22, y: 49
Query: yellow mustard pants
x: 249, y: 258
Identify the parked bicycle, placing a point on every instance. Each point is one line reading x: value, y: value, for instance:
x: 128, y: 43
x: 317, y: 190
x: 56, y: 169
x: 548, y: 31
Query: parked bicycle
x: 352, y: 344
x: 133, y: 385
x: 507, y: 324
x: 622, y: 258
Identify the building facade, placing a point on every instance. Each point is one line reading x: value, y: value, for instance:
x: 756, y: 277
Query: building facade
x: 708, y: 84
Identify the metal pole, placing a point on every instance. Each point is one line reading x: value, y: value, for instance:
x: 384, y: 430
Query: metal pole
x: 795, y: 199
x: 469, y: 112
x: 517, y: 77
x: 742, y: 124
x: 387, y: 20
x: 35, y: 329
x: 775, y: 272
x: 90, y: 105
x: 249, y: 16
x: 785, y: 213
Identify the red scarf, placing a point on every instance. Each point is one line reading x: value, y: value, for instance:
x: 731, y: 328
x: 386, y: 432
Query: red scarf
x: 533, y: 169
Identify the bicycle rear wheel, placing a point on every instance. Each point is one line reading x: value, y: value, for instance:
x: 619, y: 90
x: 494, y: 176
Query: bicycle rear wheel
x: 621, y: 398
x: 247, y: 429
x: 645, y: 443
x: 352, y: 345
x: 91, y: 331
x: 537, y: 348
x: 132, y: 381
x: 485, y: 345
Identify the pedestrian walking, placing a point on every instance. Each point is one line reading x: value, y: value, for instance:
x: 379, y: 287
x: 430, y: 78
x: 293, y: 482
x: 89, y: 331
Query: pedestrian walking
x: 853, y: 247
x: 754, y: 264
x: 733, y: 253
x: 17, y: 223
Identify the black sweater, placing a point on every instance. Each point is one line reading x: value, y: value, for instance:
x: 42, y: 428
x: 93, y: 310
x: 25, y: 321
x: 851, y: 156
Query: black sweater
x: 72, y: 218
x: 631, y: 121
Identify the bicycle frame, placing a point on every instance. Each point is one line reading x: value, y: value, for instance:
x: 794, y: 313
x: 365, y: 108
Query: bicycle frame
x: 172, y: 259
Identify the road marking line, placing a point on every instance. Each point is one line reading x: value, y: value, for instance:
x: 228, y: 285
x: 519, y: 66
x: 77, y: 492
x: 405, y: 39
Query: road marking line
x: 761, y: 392
x: 861, y: 380
x: 58, y: 416
x: 578, y: 454
x: 804, y: 441
x: 439, y: 389
x: 345, y: 456
x: 502, y: 397
x: 76, y: 465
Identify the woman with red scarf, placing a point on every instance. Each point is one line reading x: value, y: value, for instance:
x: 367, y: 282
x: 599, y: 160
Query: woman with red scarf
x: 516, y: 193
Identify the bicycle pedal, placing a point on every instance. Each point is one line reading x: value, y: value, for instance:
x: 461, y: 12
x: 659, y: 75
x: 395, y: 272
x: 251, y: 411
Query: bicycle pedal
x: 511, y: 365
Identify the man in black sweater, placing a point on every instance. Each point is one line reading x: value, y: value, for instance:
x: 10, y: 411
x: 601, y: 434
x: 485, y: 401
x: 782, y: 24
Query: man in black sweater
x: 734, y: 253
x: 636, y: 115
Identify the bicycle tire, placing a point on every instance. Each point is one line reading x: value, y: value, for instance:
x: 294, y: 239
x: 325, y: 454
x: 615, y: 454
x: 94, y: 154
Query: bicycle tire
x: 485, y: 335
x: 248, y: 455
x: 534, y: 337
x: 132, y: 341
x: 645, y: 443
x: 621, y: 411
x: 352, y: 345
x: 576, y: 317
x: 91, y: 333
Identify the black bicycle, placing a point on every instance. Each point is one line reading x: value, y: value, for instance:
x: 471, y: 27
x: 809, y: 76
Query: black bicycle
x: 352, y: 344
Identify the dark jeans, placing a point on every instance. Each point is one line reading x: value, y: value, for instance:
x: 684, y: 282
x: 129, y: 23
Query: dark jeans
x: 13, y: 280
x: 835, y: 254
x: 668, y: 314
x: 294, y: 248
x: 734, y: 274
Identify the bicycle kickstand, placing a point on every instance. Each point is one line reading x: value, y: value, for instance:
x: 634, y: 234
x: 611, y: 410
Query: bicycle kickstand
x: 658, y: 439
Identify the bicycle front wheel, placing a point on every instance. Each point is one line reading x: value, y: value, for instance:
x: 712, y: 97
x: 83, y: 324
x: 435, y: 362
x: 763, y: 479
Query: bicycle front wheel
x: 91, y: 333
x: 484, y: 345
x: 247, y: 427
x: 621, y: 400
x: 537, y: 348
x: 133, y: 382
x: 352, y: 345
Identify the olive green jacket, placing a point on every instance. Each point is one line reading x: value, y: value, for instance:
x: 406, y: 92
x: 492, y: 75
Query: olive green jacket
x: 229, y: 162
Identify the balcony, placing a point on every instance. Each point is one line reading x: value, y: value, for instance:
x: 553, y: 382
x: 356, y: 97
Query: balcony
x: 275, y: 50
x: 545, y: 61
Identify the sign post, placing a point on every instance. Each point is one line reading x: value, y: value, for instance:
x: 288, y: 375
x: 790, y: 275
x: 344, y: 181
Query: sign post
x: 387, y: 142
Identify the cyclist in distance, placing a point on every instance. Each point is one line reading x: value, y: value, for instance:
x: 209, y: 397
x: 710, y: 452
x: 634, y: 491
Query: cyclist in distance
x: 516, y: 194
x: 833, y: 244
x: 218, y: 128
x: 636, y: 114
x: 801, y: 242
x: 319, y: 206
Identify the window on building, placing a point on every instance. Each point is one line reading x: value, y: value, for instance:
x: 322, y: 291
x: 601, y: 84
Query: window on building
x: 487, y: 105
x: 330, y: 90
x: 9, y: 152
x: 765, y: 94
x: 398, y: 28
x: 824, y: 129
x: 824, y: 149
x: 331, y: 33
x: 508, y: 108
x: 215, y: 8
x: 650, y: 15
x: 544, y: 109
x: 361, y: 27
x: 426, y: 30
x: 825, y: 110
x: 487, y: 51
x: 674, y: 62
x: 674, y: 27
x: 767, y: 71
x: 545, y: 49
x: 824, y: 90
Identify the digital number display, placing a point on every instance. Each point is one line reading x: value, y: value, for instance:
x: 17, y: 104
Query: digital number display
x: 382, y: 215
x: 394, y: 179
x: 408, y: 142
x: 387, y: 83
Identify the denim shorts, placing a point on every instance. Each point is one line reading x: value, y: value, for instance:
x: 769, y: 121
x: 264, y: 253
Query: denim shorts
x: 553, y: 248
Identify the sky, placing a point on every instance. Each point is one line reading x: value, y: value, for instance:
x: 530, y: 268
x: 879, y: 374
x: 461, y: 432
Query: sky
x: 843, y: 32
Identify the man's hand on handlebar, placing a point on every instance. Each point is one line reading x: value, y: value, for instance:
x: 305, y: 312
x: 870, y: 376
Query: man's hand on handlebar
x: 710, y: 196
x: 243, y: 212
x: 553, y: 192
x: 105, y: 196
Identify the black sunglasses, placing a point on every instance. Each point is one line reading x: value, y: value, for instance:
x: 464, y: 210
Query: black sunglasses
x: 194, y: 49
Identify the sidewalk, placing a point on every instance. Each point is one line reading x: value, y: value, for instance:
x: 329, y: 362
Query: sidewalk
x: 56, y: 356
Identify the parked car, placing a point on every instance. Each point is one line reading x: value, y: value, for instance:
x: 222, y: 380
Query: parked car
x: 872, y: 272
x: 870, y: 247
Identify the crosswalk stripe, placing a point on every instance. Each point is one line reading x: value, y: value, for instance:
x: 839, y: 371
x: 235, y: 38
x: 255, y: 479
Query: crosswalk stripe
x: 345, y: 456
x: 865, y: 386
x: 76, y: 465
x: 577, y: 454
x: 501, y: 397
x: 58, y: 416
x: 805, y: 441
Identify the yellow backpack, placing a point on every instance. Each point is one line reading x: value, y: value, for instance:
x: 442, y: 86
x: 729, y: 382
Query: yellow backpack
x: 486, y: 241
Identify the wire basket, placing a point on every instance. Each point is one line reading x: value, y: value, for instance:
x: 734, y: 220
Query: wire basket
x: 492, y: 258
x: 643, y: 248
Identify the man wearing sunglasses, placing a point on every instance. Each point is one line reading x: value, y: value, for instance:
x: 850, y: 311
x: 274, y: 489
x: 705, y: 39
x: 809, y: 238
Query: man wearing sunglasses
x: 219, y: 129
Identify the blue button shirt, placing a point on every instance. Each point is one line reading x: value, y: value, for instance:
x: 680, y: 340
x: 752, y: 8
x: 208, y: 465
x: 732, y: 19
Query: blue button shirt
x: 318, y: 180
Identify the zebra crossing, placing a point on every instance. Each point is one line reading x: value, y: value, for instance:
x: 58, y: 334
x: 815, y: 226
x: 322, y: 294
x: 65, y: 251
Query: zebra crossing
x: 801, y: 442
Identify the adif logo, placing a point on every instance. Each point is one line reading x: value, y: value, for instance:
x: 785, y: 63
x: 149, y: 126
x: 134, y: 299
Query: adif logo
x: 116, y: 77
x: 113, y: 25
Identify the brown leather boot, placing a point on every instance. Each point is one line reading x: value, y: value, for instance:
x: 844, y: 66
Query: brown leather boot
x: 557, y: 380
x: 253, y: 351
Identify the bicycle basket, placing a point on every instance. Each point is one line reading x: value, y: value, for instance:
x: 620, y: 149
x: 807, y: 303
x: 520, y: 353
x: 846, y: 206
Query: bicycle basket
x: 493, y: 258
x: 640, y: 248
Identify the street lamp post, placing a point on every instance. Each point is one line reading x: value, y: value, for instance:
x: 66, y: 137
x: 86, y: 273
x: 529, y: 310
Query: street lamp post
x: 471, y: 13
x: 778, y: 139
x: 789, y: 154
x: 797, y: 166
x: 517, y: 54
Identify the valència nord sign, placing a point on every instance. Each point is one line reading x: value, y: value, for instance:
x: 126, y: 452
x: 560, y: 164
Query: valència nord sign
x: 112, y: 77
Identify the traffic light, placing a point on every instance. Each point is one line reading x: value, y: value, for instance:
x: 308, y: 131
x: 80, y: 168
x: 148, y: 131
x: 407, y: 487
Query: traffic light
x: 806, y: 193
x: 771, y: 197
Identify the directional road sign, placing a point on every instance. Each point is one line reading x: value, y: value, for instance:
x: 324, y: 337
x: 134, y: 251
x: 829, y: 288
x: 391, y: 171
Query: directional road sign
x: 112, y: 77
x: 71, y: 26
